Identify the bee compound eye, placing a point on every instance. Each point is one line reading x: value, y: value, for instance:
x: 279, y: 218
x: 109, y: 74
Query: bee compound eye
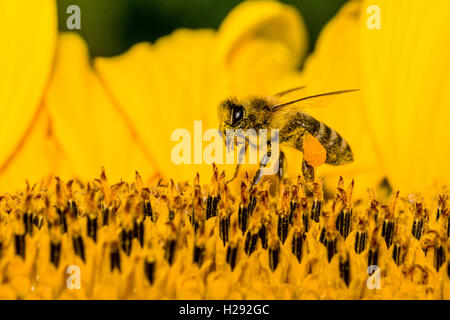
x: 237, y: 114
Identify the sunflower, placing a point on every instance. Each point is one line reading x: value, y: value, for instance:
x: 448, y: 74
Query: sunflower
x: 71, y: 119
x: 192, y: 236
x: 397, y: 125
x: 120, y: 114
x: 25, y: 76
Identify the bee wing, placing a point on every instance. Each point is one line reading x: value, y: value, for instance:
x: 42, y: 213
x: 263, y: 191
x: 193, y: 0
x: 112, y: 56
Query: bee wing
x: 285, y: 92
x: 315, y: 100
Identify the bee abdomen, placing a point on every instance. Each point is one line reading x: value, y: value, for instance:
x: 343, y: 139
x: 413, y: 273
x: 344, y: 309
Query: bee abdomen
x: 338, y: 150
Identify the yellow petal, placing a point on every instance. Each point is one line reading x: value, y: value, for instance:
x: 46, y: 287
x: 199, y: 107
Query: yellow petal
x: 169, y: 85
x: 269, y: 20
x: 406, y: 78
x: 259, y: 67
x: 37, y: 157
x: 90, y: 130
x: 162, y: 88
x: 28, y: 36
x: 259, y: 45
x: 335, y: 65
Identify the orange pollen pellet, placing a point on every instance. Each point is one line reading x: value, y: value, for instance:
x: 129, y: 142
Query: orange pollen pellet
x: 313, y: 152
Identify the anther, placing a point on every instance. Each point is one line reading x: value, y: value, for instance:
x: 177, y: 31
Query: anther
x: 388, y: 227
x: 199, y: 252
x: 148, y: 211
x: 297, y: 244
x: 331, y: 247
x: 263, y: 236
x: 55, y: 253
x: 92, y: 225
x: 396, y: 253
x: 448, y: 227
x: 417, y: 228
x: 344, y: 269
x: 387, y: 231
x: 439, y: 256
x: 73, y: 205
x: 138, y: 232
x: 292, y: 207
x: 105, y: 216
x: 78, y: 247
x: 419, y: 213
x: 213, y: 197
x: 343, y: 221
x: 149, y: 269
x: 360, y: 241
x: 252, y: 202
x: 146, y: 204
x: 169, y: 250
x: 373, y: 207
x: 243, y: 218
x: 438, y: 213
x: 38, y: 221
x: 322, y: 237
x: 283, y: 227
x: 243, y: 213
x: 274, y: 256
x: 171, y: 214
x: 211, y: 206
x: 28, y: 222
x: 126, y: 241
x: 197, y: 203
x: 224, y: 227
x: 251, y: 239
x: 442, y: 206
x: 115, y: 257
x: 372, y: 257
x: 62, y: 219
x: 305, y: 219
x: 19, y: 244
x: 231, y: 256
x: 316, y: 210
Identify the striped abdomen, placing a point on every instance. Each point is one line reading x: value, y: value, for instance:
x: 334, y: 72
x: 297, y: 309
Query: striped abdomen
x: 338, y: 150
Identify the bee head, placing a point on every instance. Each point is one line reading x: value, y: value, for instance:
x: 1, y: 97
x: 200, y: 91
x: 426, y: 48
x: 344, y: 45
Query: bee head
x: 251, y: 114
x: 231, y: 114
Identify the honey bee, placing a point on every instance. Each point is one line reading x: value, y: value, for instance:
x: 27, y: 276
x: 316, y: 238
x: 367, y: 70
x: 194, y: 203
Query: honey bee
x: 294, y: 127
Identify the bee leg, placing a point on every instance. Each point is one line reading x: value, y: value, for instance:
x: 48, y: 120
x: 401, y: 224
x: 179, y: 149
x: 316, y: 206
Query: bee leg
x: 282, y: 166
x: 236, y: 172
x: 308, y: 171
x: 259, y: 172
x: 238, y: 166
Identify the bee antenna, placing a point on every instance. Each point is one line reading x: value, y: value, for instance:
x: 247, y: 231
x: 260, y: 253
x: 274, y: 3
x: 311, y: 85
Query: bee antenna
x: 314, y: 96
